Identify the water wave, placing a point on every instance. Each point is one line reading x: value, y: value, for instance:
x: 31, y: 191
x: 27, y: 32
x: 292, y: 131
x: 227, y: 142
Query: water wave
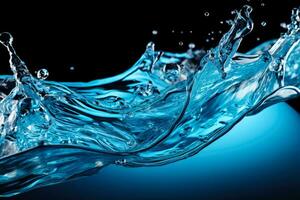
x: 166, y: 107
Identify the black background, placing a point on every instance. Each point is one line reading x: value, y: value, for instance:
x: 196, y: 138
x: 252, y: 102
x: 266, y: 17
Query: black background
x: 101, y: 39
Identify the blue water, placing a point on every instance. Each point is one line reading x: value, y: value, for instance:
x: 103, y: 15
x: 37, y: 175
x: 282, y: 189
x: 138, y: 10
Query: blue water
x: 166, y: 107
x: 257, y: 159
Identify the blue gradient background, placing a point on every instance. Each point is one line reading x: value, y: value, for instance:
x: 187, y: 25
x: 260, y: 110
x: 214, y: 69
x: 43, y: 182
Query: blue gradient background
x: 258, y: 159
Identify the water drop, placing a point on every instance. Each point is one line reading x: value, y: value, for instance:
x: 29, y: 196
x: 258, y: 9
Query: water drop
x: 258, y: 39
x: 233, y: 12
x: 154, y: 32
x: 72, y: 68
x: 181, y: 32
x: 283, y: 25
x: 220, y: 32
x: 98, y: 163
x: 212, y: 38
x: 221, y: 22
x: 207, y: 40
x: 191, y: 31
x: 150, y: 46
x: 206, y: 14
x: 173, y: 31
x: 42, y: 74
x: 229, y: 22
x: 192, y: 45
x: 263, y: 23
x: 180, y: 43
x: 262, y: 4
x: 6, y: 38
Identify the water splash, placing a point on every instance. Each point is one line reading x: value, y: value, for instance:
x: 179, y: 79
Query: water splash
x: 166, y: 107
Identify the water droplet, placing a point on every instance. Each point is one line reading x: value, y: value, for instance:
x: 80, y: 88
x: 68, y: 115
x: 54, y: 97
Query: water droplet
x: 192, y: 45
x: 6, y: 38
x: 258, y: 39
x: 212, y: 38
x: 173, y: 31
x: 150, y: 46
x: 263, y: 23
x: 180, y: 43
x: 154, y: 32
x: 212, y: 32
x: 221, y: 22
x: 72, y: 68
x: 220, y: 32
x: 191, y: 31
x: 42, y: 74
x: 229, y: 22
x: 207, y: 40
x: 233, y: 12
x: 181, y: 32
x: 262, y: 4
x: 206, y: 14
x: 98, y: 163
x: 283, y: 25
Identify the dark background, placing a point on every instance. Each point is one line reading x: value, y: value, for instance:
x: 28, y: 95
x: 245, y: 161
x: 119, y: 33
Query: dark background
x: 102, y: 39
